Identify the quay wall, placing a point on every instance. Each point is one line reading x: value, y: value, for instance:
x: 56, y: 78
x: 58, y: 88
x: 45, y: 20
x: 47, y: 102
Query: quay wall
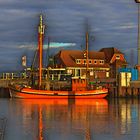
x: 4, y: 91
x: 124, y: 92
x: 5, y: 82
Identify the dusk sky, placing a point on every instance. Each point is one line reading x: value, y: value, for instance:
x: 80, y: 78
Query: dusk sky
x: 111, y: 24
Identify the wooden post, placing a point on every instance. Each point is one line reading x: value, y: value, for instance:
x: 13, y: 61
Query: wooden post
x: 132, y: 92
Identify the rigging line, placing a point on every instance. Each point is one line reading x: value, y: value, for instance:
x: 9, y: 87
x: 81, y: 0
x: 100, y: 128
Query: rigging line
x: 34, y: 59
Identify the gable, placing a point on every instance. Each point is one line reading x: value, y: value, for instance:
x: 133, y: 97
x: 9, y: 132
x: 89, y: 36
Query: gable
x: 117, y: 56
x: 109, y: 53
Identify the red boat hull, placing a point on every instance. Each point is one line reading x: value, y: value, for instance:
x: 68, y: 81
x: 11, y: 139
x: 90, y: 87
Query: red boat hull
x: 39, y: 96
x: 25, y: 92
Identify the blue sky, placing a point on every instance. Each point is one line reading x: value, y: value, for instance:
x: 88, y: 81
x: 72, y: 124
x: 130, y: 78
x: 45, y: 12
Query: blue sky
x: 111, y: 24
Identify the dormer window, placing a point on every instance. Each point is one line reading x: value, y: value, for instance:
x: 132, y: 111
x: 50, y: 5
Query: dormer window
x: 117, y: 56
x: 78, y: 61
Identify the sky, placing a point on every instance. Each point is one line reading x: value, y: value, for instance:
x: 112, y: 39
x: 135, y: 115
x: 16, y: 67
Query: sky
x: 111, y: 24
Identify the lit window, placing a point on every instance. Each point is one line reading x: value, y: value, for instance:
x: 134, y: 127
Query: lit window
x: 69, y: 71
x: 107, y: 74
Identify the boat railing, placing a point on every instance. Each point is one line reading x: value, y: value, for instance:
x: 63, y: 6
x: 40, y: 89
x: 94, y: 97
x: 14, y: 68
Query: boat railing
x: 13, y: 75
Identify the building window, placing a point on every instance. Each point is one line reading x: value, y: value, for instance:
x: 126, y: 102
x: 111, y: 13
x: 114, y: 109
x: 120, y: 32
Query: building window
x: 117, y: 56
x: 78, y: 61
x: 107, y: 74
x: 101, y: 61
x: 91, y: 73
x: 69, y: 71
x: 77, y: 72
x: 90, y: 62
x: 95, y: 62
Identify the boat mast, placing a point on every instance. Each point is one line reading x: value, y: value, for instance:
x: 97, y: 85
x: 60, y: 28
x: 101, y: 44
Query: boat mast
x: 87, y: 57
x: 41, y: 28
x: 87, y: 38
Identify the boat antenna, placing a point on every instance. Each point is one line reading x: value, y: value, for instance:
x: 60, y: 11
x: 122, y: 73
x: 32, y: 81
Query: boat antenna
x: 41, y: 28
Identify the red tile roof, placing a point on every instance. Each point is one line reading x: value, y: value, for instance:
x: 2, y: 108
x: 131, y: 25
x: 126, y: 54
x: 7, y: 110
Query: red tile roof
x: 67, y: 58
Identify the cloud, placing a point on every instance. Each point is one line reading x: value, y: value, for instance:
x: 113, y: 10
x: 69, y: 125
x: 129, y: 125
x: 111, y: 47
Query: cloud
x: 127, y: 26
x: 51, y: 45
x: 58, y: 45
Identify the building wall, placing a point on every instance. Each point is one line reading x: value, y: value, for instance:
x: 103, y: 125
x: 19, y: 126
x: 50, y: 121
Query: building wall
x: 81, y: 73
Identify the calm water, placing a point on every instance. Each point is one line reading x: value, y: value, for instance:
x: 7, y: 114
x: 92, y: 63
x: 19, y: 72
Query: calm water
x: 71, y: 120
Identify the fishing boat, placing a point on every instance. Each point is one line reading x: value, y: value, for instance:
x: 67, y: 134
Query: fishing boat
x: 25, y: 91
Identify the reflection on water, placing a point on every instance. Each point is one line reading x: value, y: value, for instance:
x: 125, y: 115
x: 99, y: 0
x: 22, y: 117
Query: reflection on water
x: 96, y: 119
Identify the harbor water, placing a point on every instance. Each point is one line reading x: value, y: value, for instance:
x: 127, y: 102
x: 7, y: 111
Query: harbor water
x: 97, y: 119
